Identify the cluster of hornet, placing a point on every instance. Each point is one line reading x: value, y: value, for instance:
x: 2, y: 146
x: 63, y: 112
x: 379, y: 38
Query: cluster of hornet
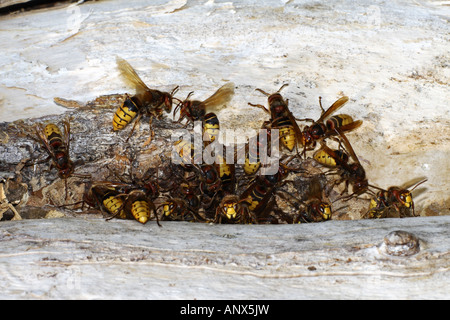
x: 225, y: 191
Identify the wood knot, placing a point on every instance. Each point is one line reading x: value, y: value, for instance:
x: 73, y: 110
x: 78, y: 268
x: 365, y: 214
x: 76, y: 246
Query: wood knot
x: 400, y: 243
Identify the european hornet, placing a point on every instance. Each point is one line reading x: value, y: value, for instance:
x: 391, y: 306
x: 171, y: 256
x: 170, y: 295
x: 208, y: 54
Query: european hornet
x: 232, y: 209
x: 121, y: 202
x: 177, y: 209
x: 146, y: 101
x: 258, y: 194
x: 125, y: 199
x: 352, y: 173
x: 281, y: 118
x: 226, y: 171
x: 57, y: 146
x: 278, y: 107
x: 195, y: 110
x: 398, y: 198
x: 326, y: 126
x: 257, y: 150
x: 253, y: 203
x: 314, y: 208
x: 103, y: 196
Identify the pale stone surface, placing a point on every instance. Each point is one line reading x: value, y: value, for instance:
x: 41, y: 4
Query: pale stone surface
x: 75, y: 258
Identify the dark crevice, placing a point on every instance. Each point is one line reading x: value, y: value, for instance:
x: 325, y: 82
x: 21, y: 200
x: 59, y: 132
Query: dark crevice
x: 31, y: 5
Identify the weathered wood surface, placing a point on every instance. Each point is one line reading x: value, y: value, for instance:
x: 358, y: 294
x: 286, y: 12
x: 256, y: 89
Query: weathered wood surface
x: 77, y: 258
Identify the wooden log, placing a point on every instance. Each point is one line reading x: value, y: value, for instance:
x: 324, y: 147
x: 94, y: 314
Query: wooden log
x: 76, y: 258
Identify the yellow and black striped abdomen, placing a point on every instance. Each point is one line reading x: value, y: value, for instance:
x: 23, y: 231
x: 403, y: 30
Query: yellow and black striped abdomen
x: 376, y: 213
x: 53, y: 134
x: 251, y: 166
x: 338, y: 121
x: 256, y: 197
x: 224, y: 169
x: 252, y: 161
x: 169, y: 208
x: 125, y: 114
x: 324, y: 158
x: 287, y: 136
x: 113, y: 204
x: 211, y: 127
x: 286, y: 131
x: 140, y: 209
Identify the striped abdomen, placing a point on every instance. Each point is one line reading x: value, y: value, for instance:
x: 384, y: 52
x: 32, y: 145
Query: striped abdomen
x: 252, y: 160
x: 140, y: 209
x: 113, y: 204
x: 338, y: 121
x: 224, y: 170
x: 287, y: 132
x: 326, y: 159
x: 211, y: 127
x: 256, y: 196
x: 125, y: 113
x: 59, y: 149
x: 53, y: 135
x: 287, y: 136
